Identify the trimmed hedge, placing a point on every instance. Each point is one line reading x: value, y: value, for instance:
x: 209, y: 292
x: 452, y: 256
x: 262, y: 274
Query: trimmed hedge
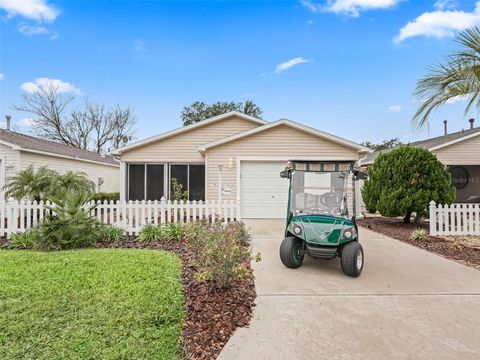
x: 102, y: 196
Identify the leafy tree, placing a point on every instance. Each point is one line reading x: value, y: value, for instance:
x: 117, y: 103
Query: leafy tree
x: 72, y: 181
x: 90, y: 126
x: 31, y: 184
x: 457, y: 78
x: 199, y: 110
x: 404, y: 181
x: 386, y: 144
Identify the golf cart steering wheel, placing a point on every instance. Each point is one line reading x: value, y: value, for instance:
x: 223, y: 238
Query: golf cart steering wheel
x: 330, y: 199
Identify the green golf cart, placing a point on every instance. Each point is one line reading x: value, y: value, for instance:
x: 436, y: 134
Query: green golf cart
x: 318, y: 220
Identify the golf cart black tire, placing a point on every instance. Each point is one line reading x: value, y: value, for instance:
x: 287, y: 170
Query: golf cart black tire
x: 286, y: 252
x: 349, y: 258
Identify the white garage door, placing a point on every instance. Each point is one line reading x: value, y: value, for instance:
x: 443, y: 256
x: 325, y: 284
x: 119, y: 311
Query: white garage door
x: 263, y: 193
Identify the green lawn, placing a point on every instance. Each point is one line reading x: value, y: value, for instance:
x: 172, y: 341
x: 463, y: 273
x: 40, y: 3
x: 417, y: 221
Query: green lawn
x: 98, y: 303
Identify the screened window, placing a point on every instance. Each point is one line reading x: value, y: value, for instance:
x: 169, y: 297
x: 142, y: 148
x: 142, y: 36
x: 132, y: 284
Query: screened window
x: 146, y: 181
x: 192, y: 179
x: 136, y: 182
x: 155, y: 182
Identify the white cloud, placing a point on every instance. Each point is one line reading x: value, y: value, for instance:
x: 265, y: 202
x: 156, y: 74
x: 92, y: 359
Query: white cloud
x: 395, y: 108
x: 445, y: 4
x: 37, y: 10
x: 46, y: 83
x: 290, y: 63
x: 2, y: 76
x: 33, y: 30
x: 439, y: 23
x: 310, y: 22
x: 27, y: 122
x: 349, y: 7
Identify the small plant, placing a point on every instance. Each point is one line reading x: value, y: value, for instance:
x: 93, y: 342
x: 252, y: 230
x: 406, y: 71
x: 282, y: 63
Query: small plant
x: 174, y: 231
x: 456, y: 245
x: 112, y: 234
x: 104, y: 196
x: 69, y: 224
x: 24, y: 240
x: 178, y: 193
x: 151, y: 232
x: 418, y: 234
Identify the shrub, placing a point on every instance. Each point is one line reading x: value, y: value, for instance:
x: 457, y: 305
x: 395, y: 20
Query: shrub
x: 69, y: 224
x: 24, y: 240
x: 151, y: 232
x: 221, y: 254
x: 105, y: 196
x: 174, y: 231
x: 178, y: 193
x: 404, y: 181
x: 418, y: 234
x: 112, y: 234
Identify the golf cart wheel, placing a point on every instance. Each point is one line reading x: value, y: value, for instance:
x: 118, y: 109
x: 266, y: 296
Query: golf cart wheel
x: 291, y: 252
x: 352, y: 259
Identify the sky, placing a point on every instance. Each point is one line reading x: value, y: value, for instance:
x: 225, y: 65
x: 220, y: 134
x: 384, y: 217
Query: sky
x: 347, y: 67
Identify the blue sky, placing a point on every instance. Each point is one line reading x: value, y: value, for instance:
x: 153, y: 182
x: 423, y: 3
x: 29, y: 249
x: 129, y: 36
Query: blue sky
x: 349, y: 66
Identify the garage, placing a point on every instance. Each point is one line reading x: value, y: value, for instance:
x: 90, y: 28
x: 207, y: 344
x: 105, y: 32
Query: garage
x: 264, y: 194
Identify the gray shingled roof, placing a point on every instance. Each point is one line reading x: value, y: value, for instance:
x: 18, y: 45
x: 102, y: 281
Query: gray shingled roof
x: 26, y: 142
x: 425, y: 144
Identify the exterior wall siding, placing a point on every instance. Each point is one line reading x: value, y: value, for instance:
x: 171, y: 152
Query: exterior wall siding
x: 466, y: 152
x: 183, y: 147
x: 280, y: 141
x: 110, y: 174
x: 10, y: 162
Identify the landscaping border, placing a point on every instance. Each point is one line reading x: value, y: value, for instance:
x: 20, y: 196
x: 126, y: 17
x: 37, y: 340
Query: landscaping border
x: 450, y: 248
x: 211, y: 313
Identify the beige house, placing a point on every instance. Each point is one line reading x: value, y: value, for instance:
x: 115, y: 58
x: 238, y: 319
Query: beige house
x: 19, y: 151
x: 229, y: 157
x: 460, y: 151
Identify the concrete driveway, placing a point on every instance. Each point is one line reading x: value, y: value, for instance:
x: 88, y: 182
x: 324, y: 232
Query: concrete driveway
x: 407, y: 304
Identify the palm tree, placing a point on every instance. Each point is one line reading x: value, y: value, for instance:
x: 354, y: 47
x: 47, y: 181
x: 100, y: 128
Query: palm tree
x: 456, y: 79
x: 72, y: 181
x: 31, y: 184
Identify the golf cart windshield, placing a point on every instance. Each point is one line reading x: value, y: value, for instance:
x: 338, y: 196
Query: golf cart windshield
x: 319, y: 193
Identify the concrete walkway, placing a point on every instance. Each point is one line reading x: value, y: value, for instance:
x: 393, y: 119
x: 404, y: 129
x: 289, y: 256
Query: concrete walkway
x: 407, y: 304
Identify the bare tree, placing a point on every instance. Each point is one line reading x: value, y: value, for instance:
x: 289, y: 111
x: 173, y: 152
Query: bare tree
x: 90, y: 126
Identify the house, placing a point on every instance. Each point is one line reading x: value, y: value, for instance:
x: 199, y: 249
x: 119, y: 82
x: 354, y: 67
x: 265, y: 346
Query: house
x: 19, y: 151
x: 228, y: 157
x: 460, y: 151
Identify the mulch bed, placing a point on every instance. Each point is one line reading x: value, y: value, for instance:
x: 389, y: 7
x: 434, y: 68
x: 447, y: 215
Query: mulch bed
x: 451, y: 248
x: 211, y: 313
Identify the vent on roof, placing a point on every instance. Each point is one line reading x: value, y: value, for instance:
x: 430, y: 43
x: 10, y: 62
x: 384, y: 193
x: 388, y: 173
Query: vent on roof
x: 8, y: 118
x: 445, y: 129
x: 472, y: 121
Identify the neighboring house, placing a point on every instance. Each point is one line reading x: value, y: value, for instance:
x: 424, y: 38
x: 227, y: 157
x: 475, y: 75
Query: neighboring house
x: 460, y: 151
x: 19, y: 151
x: 229, y: 157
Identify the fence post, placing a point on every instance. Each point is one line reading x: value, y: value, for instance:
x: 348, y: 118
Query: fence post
x: 433, y: 218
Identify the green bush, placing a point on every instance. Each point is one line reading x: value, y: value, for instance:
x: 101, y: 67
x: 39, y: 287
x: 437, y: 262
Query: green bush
x: 174, y: 231
x: 24, y: 240
x: 105, y: 196
x: 111, y: 234
x: 418, y: 234
x: 221, y: 254
x: 69, y: 224
x: 404, y: 181
x: 151, y: 232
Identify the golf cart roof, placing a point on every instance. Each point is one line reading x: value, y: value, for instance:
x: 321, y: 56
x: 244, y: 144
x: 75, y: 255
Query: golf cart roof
x: 320, y: 166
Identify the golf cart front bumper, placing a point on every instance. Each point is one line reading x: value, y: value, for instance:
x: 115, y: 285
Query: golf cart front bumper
x: 321, y: 251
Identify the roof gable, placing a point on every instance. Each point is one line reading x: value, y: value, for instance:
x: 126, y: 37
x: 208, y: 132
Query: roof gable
x: 289, y: 123
x: 188, y: 128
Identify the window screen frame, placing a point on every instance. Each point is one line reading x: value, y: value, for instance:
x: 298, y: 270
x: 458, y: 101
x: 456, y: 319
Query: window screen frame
x: 169, y: 184
x: 165, y: 178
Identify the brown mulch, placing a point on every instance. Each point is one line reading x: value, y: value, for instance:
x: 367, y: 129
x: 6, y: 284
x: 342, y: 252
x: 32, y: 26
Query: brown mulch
x: 451, y: 248
x: 211, y: 313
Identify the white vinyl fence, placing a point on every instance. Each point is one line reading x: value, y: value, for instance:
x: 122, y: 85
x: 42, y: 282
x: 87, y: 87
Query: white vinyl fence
x: 18, y: 216
x: 455, y: 219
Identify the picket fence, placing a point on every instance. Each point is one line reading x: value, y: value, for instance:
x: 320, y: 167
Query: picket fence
x: 455, y: 219
x: 18, y: 216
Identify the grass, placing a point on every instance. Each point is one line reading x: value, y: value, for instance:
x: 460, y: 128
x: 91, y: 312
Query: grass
x: 90, y: 304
